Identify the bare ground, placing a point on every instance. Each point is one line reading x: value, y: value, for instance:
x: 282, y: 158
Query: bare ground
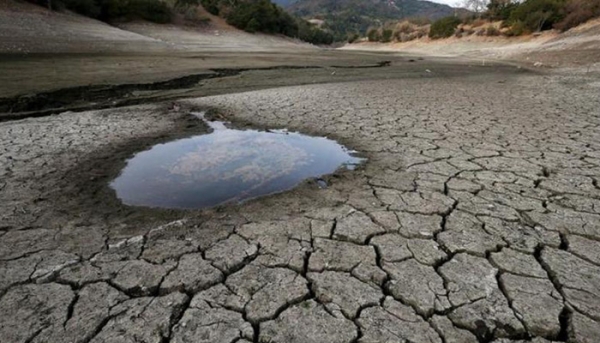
x: 577, y: 47
x: 490, y: 198
x: 475, y: 219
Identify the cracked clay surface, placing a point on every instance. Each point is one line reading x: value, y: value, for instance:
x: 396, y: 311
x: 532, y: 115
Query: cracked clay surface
x: 476, y: 219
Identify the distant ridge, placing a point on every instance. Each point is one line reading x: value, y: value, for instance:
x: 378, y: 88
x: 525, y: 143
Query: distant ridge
x: 345, y: 16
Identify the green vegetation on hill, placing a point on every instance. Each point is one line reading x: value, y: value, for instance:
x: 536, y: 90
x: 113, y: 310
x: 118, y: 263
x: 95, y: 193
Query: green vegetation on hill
x: 516, y: 18
x: 264, y: 16
x: 110, y: 10
x: 444, y: 27
x: 345, y: 18
x: 248, y: 15
x: 538, y: 15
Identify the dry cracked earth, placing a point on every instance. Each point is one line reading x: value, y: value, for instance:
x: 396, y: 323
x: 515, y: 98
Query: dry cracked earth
x: 475, y: 219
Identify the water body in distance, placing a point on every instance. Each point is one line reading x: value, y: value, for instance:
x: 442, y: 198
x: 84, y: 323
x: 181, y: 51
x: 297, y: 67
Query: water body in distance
x: 227, y: 165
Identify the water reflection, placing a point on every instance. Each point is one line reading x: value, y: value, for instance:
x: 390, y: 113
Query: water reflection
x: 226, y: 165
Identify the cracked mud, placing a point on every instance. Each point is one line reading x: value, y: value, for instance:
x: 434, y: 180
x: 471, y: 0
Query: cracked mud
x: 476, y: 219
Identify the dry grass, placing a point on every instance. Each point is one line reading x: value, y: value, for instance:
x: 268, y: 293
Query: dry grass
x: 406, y: 31
x: 578, y: 12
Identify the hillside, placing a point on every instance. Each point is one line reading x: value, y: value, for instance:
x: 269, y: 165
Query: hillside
x: 579, y: 46
x: 27, y: 28
x: 348, y: 16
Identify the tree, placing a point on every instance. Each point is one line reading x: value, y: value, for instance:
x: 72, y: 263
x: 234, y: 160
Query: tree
x: 252, y: 26
x: 443, y: 28
x: 538, y: 15
x: 386, y: 36
x: 501, y: 9
x: 89, y: 8
x: 578, y: 12
x: 477, y: 6
x: 373, y: 35
x: 353, y: 37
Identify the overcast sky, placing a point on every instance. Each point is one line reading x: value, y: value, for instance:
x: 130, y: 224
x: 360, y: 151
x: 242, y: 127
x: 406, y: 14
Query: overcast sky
x: 447, y: 2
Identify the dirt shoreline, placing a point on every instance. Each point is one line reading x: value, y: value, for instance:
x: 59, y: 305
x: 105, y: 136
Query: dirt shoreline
x: 338, y: 67
x: 110, y: 96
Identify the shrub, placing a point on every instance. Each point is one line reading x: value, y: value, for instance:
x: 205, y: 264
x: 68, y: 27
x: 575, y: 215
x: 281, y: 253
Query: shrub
x: 113, y: 9
x: 386, y: 36
x: 407, y: 31
x: 353, y: 37
x: 404, y: 27
x: 578, y: 12
x: 88, y: 8
x: 373, y: 35
x: 492, y: 31
x: 501, y: 9
x: 473, y: 19
x: 444, y: 27
x: 406, y: 37
x: 151, y: 10
x: 212, y: 6
x: 419, y: 21
x: 422, y: 32
x: 517, y: 29
x: 249, y: 15
x: 252, y: 26
x: 191, y: 16
x: 466, y: 31
x: 478, y: 22
x: 537, y: 15
x: 109, y: 10
x: 309, y: 33
x: 264, y: 16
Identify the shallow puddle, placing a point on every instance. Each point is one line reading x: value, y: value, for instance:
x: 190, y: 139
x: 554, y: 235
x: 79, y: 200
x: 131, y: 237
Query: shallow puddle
x: 227, y: 165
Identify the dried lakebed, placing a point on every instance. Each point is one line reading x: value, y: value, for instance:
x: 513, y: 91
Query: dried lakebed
x: 227, y: 165
x: 476, y: 219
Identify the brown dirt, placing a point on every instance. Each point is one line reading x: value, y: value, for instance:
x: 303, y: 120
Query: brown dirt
x: 579, y: 46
